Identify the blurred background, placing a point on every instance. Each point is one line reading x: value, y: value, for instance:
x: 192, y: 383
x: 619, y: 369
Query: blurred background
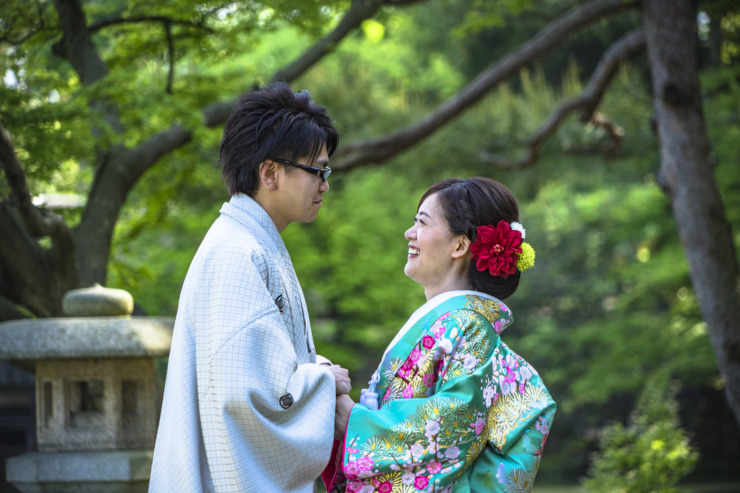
x: 608, y: 315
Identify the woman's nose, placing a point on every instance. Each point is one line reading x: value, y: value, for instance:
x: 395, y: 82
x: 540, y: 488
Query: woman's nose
x: 410, y: 233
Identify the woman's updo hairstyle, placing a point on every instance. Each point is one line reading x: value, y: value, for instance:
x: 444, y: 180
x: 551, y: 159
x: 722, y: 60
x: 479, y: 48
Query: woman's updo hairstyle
x: 472, y: 202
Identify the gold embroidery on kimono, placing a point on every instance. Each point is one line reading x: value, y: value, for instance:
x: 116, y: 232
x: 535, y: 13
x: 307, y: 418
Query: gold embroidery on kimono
x: 459, y: 411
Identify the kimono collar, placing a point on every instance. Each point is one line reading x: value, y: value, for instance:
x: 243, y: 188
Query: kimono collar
x: 435, y: 302
x: 245, y: 210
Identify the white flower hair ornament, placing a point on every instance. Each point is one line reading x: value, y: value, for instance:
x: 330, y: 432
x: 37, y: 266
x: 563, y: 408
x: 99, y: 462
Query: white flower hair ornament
x: 518, y: 227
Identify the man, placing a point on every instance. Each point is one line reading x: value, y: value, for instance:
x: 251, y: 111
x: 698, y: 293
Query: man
x: 246, y: 407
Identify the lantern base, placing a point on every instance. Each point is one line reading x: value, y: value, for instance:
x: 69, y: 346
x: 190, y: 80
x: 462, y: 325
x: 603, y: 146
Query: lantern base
x: 113, y: 471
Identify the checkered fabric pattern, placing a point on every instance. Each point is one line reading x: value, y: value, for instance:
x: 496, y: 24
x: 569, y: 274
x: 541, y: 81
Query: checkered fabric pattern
x: 246, y: 408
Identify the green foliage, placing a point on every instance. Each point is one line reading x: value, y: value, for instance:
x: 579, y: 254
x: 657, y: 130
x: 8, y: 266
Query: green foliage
x: 215, y: 55
x: 609, y: 299
x: 651, y: 454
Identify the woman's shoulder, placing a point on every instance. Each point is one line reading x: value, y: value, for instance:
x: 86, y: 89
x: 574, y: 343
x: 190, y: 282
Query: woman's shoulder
x: 477, y: 305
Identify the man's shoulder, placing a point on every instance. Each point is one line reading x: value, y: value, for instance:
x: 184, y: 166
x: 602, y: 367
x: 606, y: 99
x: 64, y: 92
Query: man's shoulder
x: 230, y: 241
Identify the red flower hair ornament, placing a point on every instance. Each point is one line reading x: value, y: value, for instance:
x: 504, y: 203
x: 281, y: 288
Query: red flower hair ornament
x: 497, y: 249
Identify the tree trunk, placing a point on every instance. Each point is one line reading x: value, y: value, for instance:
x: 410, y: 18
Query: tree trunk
x: 687, y: 176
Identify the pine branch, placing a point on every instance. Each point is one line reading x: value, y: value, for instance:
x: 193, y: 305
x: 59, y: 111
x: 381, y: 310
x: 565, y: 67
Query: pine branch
x: 384, y: 147
x: 626, y: 47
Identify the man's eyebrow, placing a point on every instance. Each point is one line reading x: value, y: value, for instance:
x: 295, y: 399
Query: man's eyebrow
x: 321, y: 162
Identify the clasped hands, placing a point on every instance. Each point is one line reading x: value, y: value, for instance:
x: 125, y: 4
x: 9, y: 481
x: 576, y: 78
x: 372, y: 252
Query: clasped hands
x: 344, y: 401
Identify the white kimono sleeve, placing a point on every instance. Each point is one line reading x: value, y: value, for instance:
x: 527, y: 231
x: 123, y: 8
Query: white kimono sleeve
x: 267, y: 420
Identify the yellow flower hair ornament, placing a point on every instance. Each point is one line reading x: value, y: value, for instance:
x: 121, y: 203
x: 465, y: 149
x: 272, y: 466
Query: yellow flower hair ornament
x: 526, y: 258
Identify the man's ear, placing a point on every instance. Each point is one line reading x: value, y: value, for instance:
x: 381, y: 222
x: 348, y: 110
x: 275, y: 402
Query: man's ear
x: 462, y: 248
x: 268, y: 173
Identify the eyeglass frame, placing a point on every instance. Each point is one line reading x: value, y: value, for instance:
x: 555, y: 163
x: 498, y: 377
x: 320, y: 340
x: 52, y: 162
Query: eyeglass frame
x: 322, y: 173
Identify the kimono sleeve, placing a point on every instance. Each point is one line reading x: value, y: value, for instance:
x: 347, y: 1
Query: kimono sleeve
x: 267, y: 420
x: 513, y: 467
x: 435, y: 429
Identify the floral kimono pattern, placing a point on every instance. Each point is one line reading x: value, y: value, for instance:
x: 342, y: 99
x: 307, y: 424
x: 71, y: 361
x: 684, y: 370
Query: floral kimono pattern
x: 459, y: 411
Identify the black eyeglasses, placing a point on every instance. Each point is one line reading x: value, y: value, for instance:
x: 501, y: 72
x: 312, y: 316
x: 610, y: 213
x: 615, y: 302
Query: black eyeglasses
x: 322, y: 173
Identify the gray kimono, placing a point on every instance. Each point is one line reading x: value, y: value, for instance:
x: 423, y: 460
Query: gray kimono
x: 246, y: 408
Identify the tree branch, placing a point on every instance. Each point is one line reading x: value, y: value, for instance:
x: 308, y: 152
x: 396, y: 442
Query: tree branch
x: 30, y: 274
x: 146, y: 154
x: 170, y: 56
x: 402, y: 3
x: 359, y: 11
x: 217, y: 113
x: 97, y: 26
x: 12, y: 21
x: 77, y: 43
x: 116, y: 177
x: 382, y: 148
x: 629, y: 45
x: 37, y: 223
x: 77, y: 46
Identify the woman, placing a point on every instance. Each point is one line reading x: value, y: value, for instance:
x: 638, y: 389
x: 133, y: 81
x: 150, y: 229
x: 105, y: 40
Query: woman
x: 451, y: 408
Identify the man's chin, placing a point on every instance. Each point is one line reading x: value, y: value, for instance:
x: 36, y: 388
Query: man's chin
x: 310, y: 218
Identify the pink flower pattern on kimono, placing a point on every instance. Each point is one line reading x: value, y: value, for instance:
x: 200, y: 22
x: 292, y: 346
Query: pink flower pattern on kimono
x: 456, y: 345
x: 489, y: 394
x: 354, y: 486
x: 429, y: 379
x: 452, y: 452
x: 421, y: 482
x: 408, y: 392
x: 352, y: 469
x: 542, y: 425
x: 478, y: 426
x: 434, y: 467
x: 408, y: 478
x: 415, y: 355
x: 364, y: 463
x: 499, y: 326
x: 417, y: 450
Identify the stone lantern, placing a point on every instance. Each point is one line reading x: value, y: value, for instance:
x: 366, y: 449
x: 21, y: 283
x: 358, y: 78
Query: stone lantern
x: 97, y: 393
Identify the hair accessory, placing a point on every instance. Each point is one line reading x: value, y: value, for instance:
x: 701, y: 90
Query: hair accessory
x: 499, y: 249
x: 518, y: 227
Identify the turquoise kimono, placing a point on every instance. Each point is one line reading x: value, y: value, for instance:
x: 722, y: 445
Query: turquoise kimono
x: 457, y: 409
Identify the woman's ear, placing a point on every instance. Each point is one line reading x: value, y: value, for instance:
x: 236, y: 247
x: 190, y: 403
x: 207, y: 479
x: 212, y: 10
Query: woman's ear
x: 462, y: 248
x: 268, y: 173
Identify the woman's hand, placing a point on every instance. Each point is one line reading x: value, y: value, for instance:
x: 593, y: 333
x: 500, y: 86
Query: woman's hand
x: 341, y: 415
x: 341, y: 377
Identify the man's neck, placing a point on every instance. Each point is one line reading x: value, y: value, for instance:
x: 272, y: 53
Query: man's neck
x: 263, y: 199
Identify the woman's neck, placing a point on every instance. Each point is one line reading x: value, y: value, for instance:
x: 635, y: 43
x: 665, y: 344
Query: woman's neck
x: 455, y: 284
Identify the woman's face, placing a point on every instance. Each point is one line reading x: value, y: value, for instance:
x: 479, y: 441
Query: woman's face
x: 432, y: 261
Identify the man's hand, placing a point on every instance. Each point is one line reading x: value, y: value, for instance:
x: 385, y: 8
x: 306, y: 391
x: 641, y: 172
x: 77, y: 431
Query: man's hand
x: 341, y: 415
x: 341, y: 377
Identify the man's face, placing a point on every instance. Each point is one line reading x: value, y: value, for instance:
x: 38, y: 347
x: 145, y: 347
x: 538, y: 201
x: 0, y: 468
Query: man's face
x: 300, y: 192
